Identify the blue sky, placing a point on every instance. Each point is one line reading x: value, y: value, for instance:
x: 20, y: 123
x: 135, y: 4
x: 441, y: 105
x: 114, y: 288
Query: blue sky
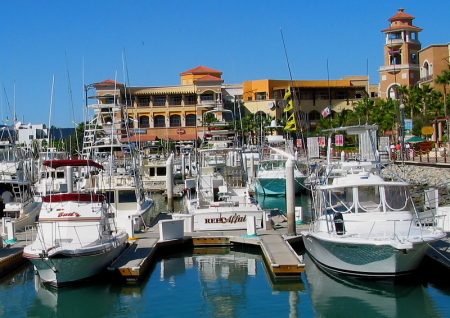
x: 83, y: 42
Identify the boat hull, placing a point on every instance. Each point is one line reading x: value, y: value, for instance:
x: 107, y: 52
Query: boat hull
x: 364, y: 259
x: 75, y: 267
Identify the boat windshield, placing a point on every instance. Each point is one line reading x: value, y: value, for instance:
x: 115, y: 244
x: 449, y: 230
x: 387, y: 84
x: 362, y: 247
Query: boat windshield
x: 273, y: 165
x: 367, y: 199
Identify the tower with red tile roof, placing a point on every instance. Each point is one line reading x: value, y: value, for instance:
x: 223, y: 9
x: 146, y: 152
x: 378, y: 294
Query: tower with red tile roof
x: 401, y: 58
x: 200, y: 73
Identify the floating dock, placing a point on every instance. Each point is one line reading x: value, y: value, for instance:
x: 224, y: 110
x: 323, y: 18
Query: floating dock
x: 440, y: 251
x: 11, y: 254
x: 283, y: 262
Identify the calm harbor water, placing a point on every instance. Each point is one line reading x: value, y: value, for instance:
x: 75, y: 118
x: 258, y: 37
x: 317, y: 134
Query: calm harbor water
x: 227, y: 282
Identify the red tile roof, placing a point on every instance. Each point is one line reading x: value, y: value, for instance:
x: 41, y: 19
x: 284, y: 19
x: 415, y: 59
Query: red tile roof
x: 209, y: 78
x: 201, y: 70
x: 402, y: 27
x: 402, y: 15
x: 108, y: 82
x: 401, y: 21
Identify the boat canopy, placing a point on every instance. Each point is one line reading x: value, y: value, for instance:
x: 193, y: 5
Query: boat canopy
x: 80, y: 197
x: 72, y: 162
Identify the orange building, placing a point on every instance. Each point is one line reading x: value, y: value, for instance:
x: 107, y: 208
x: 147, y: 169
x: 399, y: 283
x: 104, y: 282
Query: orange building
x: 166, y: 112
x: 311, y: 97
x: 433, y: 59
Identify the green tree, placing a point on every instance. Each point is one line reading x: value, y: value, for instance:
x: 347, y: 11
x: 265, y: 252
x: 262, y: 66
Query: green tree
x: 444, y: 80
x: 363, y: 109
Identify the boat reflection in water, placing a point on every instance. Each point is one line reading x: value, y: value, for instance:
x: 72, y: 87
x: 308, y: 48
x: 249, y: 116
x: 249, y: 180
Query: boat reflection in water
x: 90, y: 300
x: 334, y: 295
x: 226, y: 277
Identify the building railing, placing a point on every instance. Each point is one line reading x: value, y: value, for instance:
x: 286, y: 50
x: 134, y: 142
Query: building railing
x: 426, y: 78
x: 432, y: 156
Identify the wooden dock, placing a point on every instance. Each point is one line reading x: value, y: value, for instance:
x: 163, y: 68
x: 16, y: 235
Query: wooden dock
x: 283, y: 261
x: 440, y: 251
x: 11, y: 254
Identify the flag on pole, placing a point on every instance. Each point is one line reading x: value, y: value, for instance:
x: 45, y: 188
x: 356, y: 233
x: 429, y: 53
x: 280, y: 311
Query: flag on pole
x: 326, y: 112
x: 289, y: 101
x: 290, y: 106
x: 291, y: 125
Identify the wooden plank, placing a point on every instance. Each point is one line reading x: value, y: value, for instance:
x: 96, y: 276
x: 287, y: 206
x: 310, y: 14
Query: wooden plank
x: 210, y: 241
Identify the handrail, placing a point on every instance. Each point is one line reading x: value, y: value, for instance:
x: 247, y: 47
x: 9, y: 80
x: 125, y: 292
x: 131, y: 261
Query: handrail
x: 430, y: 223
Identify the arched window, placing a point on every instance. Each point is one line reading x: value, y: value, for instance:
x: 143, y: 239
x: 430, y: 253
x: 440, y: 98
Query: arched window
x: 260, y: 114
x: 314, y: 115
x: 175, y: 121
x: 393, y: 91
x: 191, y: 120
x: 160, y: 121
x: 426, y: 68
x: 144, y: 122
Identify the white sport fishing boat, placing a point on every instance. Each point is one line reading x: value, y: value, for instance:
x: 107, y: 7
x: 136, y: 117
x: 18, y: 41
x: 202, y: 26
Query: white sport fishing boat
x: 76, y: 234
x: 223, y: 200
x: 106, y: 140
x: 365, y: 222
x: 271, y: 173
x: 16, y: 188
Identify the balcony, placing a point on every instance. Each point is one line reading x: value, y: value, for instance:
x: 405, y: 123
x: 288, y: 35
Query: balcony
x: 207, y: 103
x: 426, y: 78
x: 397, y: 42
x: 398, y: 67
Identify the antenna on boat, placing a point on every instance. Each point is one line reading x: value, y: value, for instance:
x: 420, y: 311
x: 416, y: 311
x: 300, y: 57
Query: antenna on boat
x: 329, y: 90
x: 51, y: 108
x: 295, y: 114
x: 71, y: 96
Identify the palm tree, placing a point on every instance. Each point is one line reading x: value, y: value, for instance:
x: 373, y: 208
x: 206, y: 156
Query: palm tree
x: 364, y: 108
x: 385, y: 115
x: 425, y: 92
x: 444, y: 80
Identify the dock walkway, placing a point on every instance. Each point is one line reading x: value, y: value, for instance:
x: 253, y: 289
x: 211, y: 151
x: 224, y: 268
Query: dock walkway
x: 440, y: 251
x: 11, y: 254
x: 283, y: 262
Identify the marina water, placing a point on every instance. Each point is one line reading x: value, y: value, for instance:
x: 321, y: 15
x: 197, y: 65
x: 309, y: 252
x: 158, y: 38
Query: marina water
x: 228, y: 282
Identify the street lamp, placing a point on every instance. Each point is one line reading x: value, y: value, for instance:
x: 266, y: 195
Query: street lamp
x: 402, y: 127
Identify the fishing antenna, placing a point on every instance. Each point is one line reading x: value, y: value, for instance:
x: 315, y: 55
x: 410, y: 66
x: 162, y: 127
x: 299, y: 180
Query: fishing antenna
x: 294, y: 95
x: 71, y: 96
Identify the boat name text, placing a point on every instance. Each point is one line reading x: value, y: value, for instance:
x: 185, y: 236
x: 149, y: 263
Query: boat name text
x: 62, y: 214
x: 232, y: 219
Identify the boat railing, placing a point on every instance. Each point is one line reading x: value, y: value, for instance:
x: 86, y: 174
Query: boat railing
x: 79, y: 236
x: 30, y: 233
x: 393, y: 229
